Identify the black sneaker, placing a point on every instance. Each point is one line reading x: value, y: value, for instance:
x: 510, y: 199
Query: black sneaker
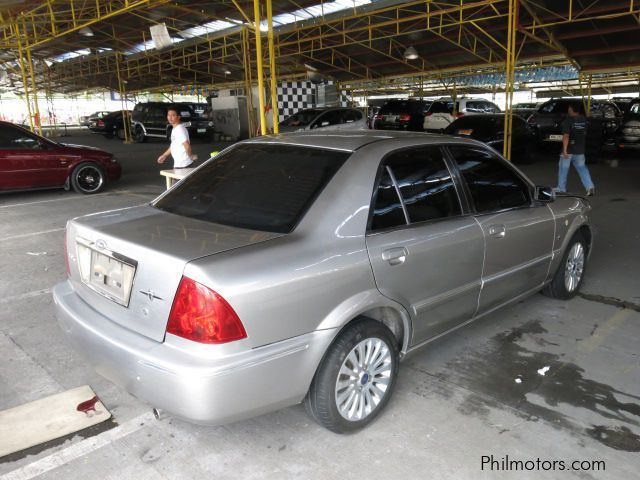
x: 591, y: 192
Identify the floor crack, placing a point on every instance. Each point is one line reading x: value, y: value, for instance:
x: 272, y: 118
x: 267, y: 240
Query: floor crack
x: 616, y: 302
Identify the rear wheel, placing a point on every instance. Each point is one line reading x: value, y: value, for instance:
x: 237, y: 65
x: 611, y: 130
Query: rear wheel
x: 87, y: 178
x: 356, y: 377
x: 568, y: 278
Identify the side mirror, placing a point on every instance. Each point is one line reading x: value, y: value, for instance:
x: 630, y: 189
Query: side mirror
x: 544, y: 194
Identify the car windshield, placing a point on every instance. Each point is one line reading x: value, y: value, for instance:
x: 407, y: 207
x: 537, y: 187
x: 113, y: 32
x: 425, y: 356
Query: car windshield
x: 255, y: 186
x: 301, y: 118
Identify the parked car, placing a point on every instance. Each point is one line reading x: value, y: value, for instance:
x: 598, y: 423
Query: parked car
x: 111, y: 125
x: 623, y: 103
x: 442, y: 112
x: 271, y: 275
x: 603, y: 122
x: 526, y: 109
x: 333, y: 118
x: 489, y: 129
x: 401, y: 115
x: 371, y: 115
x: 628, y: 137
x: 85, y: 120
x: 29, y: 161
x: 149, y: 119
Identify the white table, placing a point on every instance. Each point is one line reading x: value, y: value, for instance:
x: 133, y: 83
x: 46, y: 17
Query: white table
x: 175, y: 174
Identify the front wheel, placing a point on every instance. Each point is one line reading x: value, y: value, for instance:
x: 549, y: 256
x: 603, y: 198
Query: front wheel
x: 355, y: 378
x: 138, y: 135
x: 88, y: 178
x: 568, y: 278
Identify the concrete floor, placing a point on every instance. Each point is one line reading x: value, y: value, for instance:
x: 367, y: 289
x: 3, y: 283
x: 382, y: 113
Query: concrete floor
x: 455, y: 402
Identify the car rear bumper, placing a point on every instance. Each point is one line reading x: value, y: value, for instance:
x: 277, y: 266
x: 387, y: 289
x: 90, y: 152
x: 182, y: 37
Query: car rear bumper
x: 196, y: 387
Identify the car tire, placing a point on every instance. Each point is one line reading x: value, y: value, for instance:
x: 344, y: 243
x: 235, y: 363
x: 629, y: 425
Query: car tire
x: 568, y: 278
x: 138, y: 135
x: 345, y: 403
x: 120, y: 133
x: 88, y: 178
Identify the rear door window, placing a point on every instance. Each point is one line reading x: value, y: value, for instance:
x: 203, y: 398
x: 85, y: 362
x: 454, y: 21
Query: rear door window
x: 255, y: 186
x: 425, y: 185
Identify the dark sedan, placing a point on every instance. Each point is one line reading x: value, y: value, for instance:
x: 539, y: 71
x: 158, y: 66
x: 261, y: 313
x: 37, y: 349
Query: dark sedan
x: 29, y: 161
x: 489, y: 128
x: 111, y: 125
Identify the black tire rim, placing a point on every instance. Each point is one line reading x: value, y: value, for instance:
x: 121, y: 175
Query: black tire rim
x: 139, y: 134
x: 89, y: 178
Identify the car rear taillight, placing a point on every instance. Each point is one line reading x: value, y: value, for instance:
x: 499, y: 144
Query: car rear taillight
x: 379, y: 117
x: 100, y: 123
x: 428, y: 114
x: 404, y: 118
x: 459, y: 115
x: 201, y: 315
x: 66, y: 255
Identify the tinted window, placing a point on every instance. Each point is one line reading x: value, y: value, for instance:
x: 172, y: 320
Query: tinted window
x: 301, y: 119
x: 14, y: 138
x: 441, y: 107
x: 333, y: 117
x: 425, y: 184
x: 254, y: 186
x: 493, y: 185
x: 350, y: 116
x: 387, y: 209
x: 396, y: 107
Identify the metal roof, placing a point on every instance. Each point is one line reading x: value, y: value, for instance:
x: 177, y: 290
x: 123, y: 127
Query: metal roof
x: 360, y: 43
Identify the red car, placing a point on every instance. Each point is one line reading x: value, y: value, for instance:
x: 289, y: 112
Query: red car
x: 29, y: 161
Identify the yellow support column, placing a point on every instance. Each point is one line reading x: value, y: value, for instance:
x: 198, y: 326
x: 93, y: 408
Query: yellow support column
x: 123, y: 103
x: 272, y: 68
x: 25, y: 84
x: 34, y: 92
x: 256, y: 14
x: 510, y: 61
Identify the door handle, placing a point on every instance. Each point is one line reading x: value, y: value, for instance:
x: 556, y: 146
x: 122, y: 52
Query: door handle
x: 497, y: 231
x: 395, y: 256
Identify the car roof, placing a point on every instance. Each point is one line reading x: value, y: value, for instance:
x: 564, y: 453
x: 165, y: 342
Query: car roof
x: 353, y: 140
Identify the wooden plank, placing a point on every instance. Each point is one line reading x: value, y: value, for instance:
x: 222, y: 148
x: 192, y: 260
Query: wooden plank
x: 49, y: 418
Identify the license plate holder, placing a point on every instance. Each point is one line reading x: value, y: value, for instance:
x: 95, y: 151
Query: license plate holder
x: 107, y: 273
x: 202, y: 130
x: 555, y: 138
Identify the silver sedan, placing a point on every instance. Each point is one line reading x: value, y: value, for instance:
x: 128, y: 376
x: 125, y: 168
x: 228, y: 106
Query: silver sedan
x: 304, y: 267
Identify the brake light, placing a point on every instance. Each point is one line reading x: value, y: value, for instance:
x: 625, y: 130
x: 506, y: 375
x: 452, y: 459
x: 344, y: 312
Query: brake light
x: 100, y: 123
x: 428, y: 114
x: 201, y: 315
x: 404, y: 118
x: 379, y: 117
x: 459, y: 115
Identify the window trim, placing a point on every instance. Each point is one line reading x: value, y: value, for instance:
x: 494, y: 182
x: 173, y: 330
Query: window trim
x: 472, y: 207
x: 382, y: 166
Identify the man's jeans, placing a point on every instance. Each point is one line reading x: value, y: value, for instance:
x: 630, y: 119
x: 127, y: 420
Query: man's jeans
x: 583, y: 171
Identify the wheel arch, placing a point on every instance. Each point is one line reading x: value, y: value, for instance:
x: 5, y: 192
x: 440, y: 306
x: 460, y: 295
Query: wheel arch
x: 375, y: 306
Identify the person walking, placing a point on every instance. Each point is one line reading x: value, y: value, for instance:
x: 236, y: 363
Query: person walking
x: 180, y: 148
x: 574, y: 137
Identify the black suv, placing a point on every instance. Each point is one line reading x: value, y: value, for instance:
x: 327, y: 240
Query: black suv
x: 150, y: 120
x: 603, y: 122
x: 402, y: 115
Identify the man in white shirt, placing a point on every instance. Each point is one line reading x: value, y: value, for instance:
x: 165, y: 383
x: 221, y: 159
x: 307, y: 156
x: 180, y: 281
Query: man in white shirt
x: 180, y: 148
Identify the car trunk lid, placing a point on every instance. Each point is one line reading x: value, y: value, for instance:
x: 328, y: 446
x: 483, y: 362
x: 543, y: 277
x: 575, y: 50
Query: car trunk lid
x: 128, y: 263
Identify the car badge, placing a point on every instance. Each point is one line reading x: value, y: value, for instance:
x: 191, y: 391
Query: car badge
x: 101, y: 244
x: 150, y: 295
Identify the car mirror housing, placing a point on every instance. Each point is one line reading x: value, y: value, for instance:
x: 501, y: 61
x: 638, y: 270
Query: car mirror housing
x: 544, y: 194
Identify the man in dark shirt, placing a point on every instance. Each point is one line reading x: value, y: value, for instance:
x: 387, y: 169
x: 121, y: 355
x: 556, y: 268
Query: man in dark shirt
x: 574, y: 137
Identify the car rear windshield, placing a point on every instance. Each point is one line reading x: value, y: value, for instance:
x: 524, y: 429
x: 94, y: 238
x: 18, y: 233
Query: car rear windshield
x: 301, y: 118
x: 255, y: 186
x: 396, y: 107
